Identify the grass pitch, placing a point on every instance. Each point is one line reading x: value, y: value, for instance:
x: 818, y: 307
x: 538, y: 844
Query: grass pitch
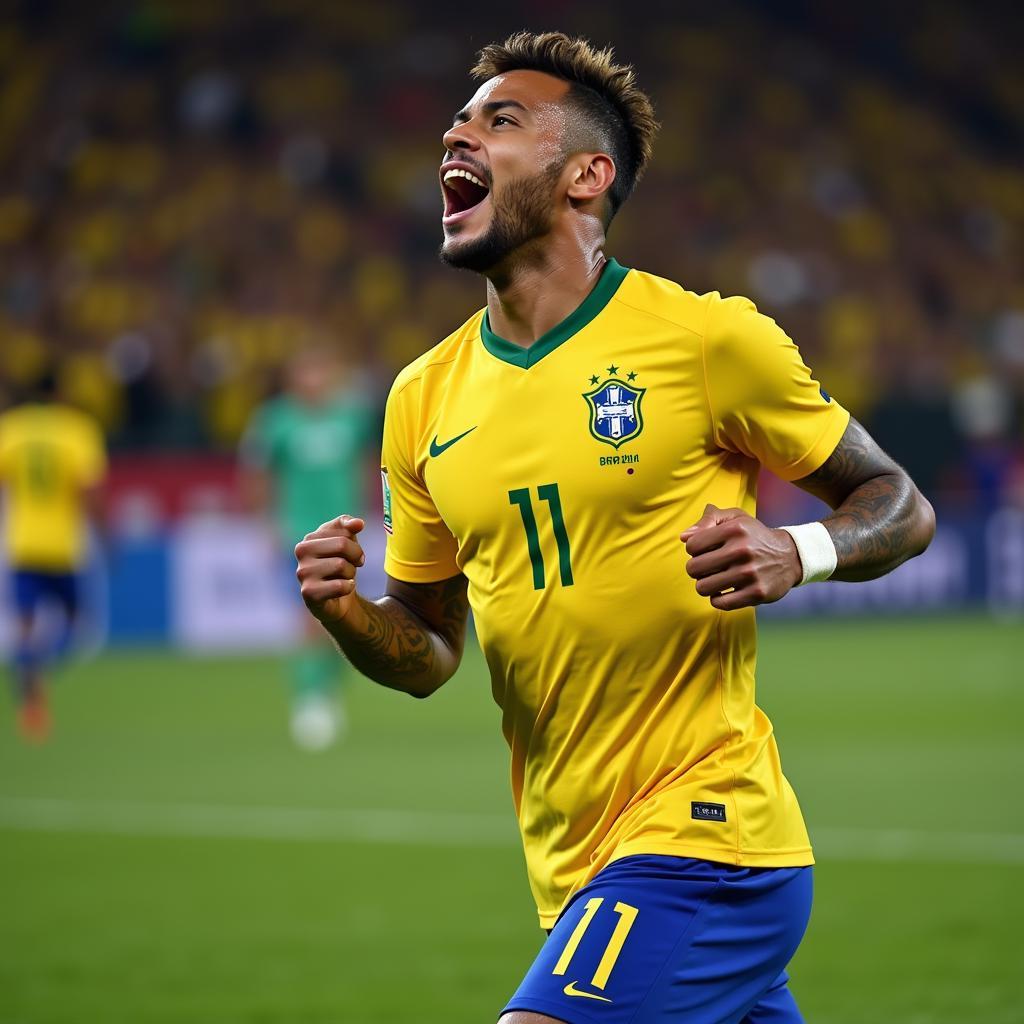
x: 170, y: 857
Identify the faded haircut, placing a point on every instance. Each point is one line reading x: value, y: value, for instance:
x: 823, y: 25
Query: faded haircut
x: 618, y: 116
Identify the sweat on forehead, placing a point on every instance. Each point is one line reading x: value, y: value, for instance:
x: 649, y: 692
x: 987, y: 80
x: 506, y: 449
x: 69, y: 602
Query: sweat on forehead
x: 532, y: 91
x: 543, y: 98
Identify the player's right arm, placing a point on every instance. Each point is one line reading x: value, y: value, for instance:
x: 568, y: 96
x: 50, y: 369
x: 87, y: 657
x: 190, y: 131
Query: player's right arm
x: 411, y: 639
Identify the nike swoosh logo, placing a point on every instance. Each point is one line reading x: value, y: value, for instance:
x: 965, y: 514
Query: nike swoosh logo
x: 571, y: 990
x: 436, y: 449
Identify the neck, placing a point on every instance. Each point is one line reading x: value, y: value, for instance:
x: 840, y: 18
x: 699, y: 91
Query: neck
x: 528, y: 297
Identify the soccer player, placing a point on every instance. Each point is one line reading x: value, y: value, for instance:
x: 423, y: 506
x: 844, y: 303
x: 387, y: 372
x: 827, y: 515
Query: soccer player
x: 540, y: 466
x: 52, y: 462
x: 303, y: 456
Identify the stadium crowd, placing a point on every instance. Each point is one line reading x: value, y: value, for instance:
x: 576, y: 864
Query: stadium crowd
x: 189, y: 193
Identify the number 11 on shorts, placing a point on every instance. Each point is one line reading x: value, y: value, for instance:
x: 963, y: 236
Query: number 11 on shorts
x: 627, y: 915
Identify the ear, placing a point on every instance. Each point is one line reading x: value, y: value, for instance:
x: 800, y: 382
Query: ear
x: 592, y: 176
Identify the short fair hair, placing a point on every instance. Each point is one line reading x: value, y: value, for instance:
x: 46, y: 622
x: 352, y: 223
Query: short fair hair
x: 618, y: 114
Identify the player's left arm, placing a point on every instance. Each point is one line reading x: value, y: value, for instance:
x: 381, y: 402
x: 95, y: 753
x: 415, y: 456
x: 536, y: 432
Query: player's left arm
x: 879, y: 519
x: 90, y: 468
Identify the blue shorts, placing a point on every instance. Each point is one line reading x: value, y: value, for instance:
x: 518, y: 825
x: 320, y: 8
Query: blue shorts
x: 32, y: 589
x: 653, y: 940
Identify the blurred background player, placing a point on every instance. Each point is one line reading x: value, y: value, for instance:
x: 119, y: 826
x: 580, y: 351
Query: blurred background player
x: 304, y: 460
x: 52, y: 461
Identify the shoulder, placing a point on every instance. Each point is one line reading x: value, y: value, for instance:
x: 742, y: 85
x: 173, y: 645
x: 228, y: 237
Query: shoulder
x: 18, y: 415
x: 76, y: 427
x: 736, y: 330
x: 52, y: 420
x: 666, y: 300
x: 723, y: 326
x: 713, y: 318
x: 75, y: 418
x: 435, y: 365
x: 21, y: 425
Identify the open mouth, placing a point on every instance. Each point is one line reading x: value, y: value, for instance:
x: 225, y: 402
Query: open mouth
x: 463, y: 192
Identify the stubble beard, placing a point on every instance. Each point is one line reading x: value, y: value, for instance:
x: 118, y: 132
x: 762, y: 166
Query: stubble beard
x: 522, y: 213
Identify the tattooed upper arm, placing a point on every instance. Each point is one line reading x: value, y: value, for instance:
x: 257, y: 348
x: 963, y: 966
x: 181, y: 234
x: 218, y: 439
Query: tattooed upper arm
x: 879, y: 518
x: 856, y: 459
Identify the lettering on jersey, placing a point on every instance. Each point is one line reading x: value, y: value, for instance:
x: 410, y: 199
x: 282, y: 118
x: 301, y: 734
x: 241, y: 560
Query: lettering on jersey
x: 619, y: 460
x: 707, y: 812
x: 387, y: 499
x: 615, y: 415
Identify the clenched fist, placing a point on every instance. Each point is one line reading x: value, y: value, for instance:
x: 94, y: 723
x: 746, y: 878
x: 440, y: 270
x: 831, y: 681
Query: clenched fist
x: 328, y: 559
x: 737, y: 561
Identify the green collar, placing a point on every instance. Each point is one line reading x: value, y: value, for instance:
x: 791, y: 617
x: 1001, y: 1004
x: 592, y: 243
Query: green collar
x: 607, y: 285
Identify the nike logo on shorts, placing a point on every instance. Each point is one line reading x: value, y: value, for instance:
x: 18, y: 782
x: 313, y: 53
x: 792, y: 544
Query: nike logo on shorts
x: 572, y: 990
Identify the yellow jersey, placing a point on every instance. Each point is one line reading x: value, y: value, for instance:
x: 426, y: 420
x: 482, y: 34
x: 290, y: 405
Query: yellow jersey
x: 558, y: 478
x: 49, y: 454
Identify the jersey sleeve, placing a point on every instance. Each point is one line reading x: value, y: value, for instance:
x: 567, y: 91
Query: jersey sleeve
x: 91, y: 460
x: 764, y: 402
x: 420, y: 548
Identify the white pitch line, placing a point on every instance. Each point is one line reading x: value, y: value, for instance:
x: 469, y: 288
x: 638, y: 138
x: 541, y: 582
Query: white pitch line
x: 893, y: 844
x: 303, y: 824
x: 427, y: 828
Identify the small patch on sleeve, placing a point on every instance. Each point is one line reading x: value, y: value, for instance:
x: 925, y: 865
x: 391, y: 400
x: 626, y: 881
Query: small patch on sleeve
x: 388, y: 526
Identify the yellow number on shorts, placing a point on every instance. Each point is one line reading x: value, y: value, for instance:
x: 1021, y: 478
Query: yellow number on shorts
x: 627, y: 915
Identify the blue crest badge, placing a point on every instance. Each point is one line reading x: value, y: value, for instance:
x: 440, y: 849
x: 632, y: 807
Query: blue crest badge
x: 615, y: 415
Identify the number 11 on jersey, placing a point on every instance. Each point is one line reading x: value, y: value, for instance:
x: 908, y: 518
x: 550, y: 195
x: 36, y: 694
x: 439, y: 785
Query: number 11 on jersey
x: 549, y: 493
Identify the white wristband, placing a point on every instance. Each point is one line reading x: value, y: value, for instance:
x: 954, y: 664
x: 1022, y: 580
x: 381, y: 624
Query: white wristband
x: 816, y: 550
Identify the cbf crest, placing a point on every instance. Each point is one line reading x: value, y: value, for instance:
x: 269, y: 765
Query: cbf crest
x: 615, y: 414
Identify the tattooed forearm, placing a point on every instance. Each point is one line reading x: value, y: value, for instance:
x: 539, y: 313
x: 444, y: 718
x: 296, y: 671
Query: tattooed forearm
x: 395, y: 646
x: 878, y: 527
x: 411, y: 639
x: 879, y: 517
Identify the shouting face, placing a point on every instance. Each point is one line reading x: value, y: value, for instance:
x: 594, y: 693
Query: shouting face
x: 502, y: 170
